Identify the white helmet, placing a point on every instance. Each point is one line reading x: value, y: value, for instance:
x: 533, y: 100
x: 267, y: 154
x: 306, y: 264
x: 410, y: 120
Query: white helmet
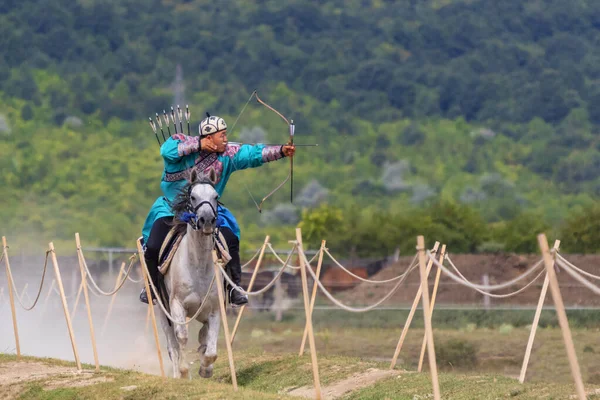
x: 211, y: 124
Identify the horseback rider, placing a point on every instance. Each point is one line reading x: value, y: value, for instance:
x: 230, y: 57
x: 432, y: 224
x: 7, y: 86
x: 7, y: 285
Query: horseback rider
x: 209, y: 150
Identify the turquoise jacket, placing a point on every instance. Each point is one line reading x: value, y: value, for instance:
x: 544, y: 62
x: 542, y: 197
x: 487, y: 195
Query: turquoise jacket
x: 181, y: 153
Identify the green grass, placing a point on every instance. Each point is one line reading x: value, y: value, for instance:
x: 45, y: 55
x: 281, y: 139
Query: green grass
x: 265, y: 376
x: 268, y: 367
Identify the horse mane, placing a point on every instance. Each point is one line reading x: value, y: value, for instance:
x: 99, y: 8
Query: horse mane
x: 180, y: 204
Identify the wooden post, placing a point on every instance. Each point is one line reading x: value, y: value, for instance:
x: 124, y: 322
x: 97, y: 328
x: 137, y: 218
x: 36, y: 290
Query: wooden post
x: 77, y: 297
x: 311, y: 337
x: 278, y: 301
x: 313, y: 295
x: 147, y: 320
x: 250, y: 285
x: 65, y: 306
x: 411, y: 314
x: 11, y: 296
x: 87, y: 300
x: 219, y: 283
x: 150, y: 306
x: 48, y: 295
x: 24, y: 292
x: 486, y: 298
x: 113, y: 298
x: 536, y: 320
x: 433, y: 296
x: 562, y: 316
x: 427, y: 318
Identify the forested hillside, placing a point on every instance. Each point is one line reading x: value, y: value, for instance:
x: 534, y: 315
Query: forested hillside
x: 474, y: 122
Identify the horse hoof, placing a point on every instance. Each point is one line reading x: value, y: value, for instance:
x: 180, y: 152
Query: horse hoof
x: 206, y: 372
x: 184, y: 373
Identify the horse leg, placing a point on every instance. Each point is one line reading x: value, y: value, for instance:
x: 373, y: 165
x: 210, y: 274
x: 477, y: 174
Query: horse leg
x: 202, y: 333
x: 210, y: 345
x: 181, y: 333
x: 172, y: 346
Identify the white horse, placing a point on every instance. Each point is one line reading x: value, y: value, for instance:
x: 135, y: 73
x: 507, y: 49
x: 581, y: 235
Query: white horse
x: 189, y: 277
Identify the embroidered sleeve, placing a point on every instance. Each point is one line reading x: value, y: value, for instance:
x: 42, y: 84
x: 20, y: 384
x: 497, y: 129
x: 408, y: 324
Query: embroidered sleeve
x: 178, y: 146
x: 188, y: 145
x: 271, y: 153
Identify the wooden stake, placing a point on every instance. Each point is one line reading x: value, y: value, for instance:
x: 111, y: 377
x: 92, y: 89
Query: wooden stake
x: 311, y: 337
x: 87, y: 300
x: 433, y: 296
x: 112, y: 300
x: 65, y: 306
x: 147, y: 320
x: 151, y: 307
x: 77, y: 297
x: 411, y: 314
x: 313, y: 296
x: 11, y: 296
x: 427, y: 318
x: 219, y: 282
x: 536, y: 320
x: 250, y: 285
x: 562, y: 316
x: 24, y: 292
x: 48, y: 295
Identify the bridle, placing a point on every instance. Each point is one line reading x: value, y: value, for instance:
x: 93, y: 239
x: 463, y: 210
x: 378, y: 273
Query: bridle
x: 190, y: 216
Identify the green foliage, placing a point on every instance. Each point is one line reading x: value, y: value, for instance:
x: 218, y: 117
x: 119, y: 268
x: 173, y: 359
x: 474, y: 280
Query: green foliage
x: 322, y: 222
x: 519, y: 235
x: 428, y: 124
x: 583, y: 231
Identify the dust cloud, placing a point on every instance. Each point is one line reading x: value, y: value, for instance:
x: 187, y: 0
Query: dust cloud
x: 124, y: 339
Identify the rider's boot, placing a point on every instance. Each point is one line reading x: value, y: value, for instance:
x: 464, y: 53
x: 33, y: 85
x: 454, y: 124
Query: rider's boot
x: 236, y: 298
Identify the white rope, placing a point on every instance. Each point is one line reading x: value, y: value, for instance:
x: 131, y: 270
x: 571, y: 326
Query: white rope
x: 368, y: 280
x: 253, y: 257
x: 498, y: 296
x: 279, y: 258
x: 576, y: 268
x: 263, y: 290
x: 578, y: 276
x: 465, y: 282
x: 134, y: 280
x: 39, y: 290
x: 355, y: 309
x: 93, y: 282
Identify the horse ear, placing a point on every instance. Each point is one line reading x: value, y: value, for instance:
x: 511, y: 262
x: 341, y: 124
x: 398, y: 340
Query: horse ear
x: 212, y: 176
x: 193, y: 175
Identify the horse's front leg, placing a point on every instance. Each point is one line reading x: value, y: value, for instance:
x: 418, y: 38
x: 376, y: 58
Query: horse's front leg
x: 181, y: 333
x: 172, y: 346
x: 208, y: 342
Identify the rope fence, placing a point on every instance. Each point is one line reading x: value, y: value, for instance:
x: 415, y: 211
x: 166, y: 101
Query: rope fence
x: 544, y: 266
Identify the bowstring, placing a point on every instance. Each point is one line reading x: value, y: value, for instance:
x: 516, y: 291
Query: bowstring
x: 258, y: 99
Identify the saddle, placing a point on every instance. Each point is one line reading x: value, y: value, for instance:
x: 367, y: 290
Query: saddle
x: 172, y: 242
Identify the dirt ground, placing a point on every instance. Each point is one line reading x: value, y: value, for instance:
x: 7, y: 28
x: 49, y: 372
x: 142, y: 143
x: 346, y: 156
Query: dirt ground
x: 14, y: 375
x: 355, y: 382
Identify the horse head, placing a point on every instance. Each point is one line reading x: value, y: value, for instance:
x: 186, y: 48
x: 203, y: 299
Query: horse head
x: 196, y: 204
x: 202, y: 201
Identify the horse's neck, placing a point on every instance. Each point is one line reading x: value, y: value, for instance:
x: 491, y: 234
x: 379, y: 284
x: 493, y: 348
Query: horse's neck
x: 199, y: 251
